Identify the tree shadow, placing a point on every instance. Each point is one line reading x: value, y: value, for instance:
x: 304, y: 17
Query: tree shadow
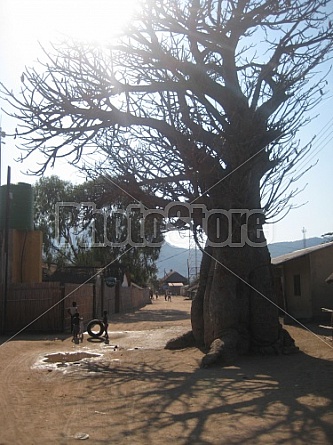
x: 37, y: 337
x: 281, y: 399
x: 171, y: 315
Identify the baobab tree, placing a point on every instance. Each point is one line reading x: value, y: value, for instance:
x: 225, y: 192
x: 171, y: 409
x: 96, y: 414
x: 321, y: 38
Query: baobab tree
x: 199, y: 102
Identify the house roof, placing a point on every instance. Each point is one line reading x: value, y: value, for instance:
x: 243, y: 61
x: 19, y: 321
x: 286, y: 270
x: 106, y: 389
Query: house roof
x: 192, y: 288
x: 299, y: 253
x: 173, y: 277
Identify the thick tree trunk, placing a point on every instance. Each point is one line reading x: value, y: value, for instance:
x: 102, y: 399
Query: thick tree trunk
x: 233, y: 314
x: 235, y: 309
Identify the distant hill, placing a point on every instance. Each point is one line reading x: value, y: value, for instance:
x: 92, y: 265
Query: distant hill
x: 277, y: 249
x: 176, y: 258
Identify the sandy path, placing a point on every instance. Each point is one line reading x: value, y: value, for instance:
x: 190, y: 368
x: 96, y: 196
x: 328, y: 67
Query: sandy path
x: 139, y: 393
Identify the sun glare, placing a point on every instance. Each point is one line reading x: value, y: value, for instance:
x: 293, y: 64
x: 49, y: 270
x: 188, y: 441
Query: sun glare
x: 47, y: 20
x: 24, y: 24
x: 93, y: 20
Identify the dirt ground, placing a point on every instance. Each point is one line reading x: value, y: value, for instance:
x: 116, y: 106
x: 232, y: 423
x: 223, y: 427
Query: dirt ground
x: 133, y: 391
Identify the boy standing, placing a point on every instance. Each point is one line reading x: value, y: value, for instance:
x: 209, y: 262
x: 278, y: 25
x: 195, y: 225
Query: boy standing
x: 72, y: 311
x: 106, y: 324
x: 76, y: 327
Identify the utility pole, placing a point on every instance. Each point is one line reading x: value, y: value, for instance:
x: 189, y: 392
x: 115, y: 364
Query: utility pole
x: 2, y: 135
x: 6, y: 250
x: 304, y: 237
x: 192, y: 262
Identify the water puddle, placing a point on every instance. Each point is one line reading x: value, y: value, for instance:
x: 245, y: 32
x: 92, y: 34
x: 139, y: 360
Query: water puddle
x: 64, y: 360
x: 61, y: 358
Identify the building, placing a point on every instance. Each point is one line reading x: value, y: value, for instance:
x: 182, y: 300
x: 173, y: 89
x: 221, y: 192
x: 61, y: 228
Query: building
x: 301, y: 281
x: 172, y: 282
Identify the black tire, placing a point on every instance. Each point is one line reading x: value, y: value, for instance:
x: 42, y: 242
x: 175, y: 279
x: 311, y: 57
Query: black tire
x: 92, y: 324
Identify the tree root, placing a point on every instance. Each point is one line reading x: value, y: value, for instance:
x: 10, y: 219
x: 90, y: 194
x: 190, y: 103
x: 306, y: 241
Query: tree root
x: 186, y: 340
x: 226, y: 348
x: 285, y: 344
x: 222, y: 349
x: 230, y: 345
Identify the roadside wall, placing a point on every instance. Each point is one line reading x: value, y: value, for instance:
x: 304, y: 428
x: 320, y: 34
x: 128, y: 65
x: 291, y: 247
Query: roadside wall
x: 132, y: 297
x: 34, y: 307
x: 42, y: 307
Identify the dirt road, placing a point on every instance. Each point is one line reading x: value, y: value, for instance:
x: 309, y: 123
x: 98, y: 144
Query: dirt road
x: 132, y: 391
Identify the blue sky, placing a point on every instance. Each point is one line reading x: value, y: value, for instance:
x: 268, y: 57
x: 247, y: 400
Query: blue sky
x: 23, y: 23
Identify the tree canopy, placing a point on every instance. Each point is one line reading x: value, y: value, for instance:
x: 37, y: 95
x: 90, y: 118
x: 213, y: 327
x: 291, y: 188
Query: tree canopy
x: 161, y: 108
x: 200, y: 101
x: 74, y: 234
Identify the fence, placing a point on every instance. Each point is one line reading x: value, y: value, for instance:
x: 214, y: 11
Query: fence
x: 42, y: 307
x: 124, y: 299
x: 36, y: 306
x: 84, y: 296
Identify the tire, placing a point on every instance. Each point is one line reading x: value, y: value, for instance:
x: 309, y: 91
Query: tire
x: 92, y: 324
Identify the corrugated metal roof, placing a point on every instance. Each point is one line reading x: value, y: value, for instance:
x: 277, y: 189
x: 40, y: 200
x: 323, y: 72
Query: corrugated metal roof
x: 299, y: 253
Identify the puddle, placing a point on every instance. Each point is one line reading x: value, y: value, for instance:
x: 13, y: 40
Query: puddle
x: 71, y: 361
x: 64, y: 360
x: 68, y: 357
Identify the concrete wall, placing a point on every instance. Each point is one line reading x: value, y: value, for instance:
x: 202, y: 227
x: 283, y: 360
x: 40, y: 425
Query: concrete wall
x: 299, y: 306
x: 321, y: 262
x: 130, y: 298
x: 313, y: 268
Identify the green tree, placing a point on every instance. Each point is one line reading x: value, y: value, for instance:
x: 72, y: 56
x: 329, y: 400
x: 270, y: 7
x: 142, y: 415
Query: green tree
x: 74, y: 234
x: 47, y: 193
x: 200, y: 101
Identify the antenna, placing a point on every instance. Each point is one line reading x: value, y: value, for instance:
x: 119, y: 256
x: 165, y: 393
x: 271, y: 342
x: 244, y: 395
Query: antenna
x: 2, y: 135
x: 192, y: 262
x: 304, y: 237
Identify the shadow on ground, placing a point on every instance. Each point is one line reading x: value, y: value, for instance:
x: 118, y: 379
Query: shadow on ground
x: 283, y: 399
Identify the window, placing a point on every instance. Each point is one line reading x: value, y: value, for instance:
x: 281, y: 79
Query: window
x: 297, y: 285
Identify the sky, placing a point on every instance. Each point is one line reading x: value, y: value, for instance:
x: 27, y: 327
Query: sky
x: 24, y: 23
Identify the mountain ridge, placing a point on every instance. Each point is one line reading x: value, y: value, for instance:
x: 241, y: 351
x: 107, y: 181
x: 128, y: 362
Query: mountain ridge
x: 177, y: 258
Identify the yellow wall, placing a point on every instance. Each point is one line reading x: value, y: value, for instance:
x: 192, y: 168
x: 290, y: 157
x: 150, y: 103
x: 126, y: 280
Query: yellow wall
x: 25, y: 256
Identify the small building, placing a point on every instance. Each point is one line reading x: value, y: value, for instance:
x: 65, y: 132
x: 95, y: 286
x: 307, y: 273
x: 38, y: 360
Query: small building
x: 301, y: 281
x: 190, y: 291
x: 172, y: 282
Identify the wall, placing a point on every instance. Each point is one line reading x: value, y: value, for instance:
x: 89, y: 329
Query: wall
x: 34, y: 307
x: 299, y: 306
x: 42, y: 307
x: 109, y: 300
x: 130, y: 298
x: 322, y: 293
x: 314, y: 268
x: 25, y: 260
x: 83, y: 295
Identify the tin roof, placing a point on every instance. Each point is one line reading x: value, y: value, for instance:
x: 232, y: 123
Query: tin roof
x: 299, y: 253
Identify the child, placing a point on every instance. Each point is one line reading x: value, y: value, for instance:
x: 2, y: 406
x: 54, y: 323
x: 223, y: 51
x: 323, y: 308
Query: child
x: 106, y: 324
x: 76, y: 327
x: 81, y: 329
x: 72, y: 311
